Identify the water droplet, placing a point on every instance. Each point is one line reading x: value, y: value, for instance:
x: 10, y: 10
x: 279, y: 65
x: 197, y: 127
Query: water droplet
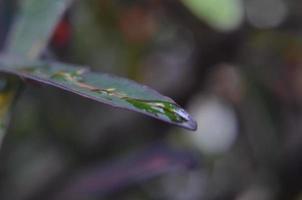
x: 162, y: 108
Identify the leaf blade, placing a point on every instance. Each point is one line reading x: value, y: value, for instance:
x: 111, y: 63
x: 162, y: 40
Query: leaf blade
x: 34, y: 26
x: 105, y: 88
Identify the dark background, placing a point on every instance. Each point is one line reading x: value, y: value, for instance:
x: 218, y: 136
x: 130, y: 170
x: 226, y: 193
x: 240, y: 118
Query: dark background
x: 236, y: 66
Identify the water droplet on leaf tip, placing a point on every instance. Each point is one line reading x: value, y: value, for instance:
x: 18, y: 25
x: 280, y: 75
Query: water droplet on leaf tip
x: 161, y: 108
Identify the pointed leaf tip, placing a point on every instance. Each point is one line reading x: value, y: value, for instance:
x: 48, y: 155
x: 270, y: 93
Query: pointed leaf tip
x: 108, y: 89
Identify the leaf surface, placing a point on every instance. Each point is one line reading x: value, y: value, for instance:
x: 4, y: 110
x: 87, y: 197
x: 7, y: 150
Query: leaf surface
x: 108, y: 89
x: 34, y: 26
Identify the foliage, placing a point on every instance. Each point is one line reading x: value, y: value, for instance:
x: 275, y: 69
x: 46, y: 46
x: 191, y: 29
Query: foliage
x: 29, y: 37
x: 224, y: 15
x: 235, y: 65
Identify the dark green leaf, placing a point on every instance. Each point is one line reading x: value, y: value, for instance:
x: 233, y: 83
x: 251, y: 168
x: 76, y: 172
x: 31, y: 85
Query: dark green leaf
x: 108, y: 89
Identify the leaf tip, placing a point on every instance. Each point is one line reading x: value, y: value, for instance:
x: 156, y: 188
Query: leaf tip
x: 191, y: 124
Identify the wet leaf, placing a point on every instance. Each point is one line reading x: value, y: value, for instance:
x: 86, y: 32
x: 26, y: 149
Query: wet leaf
x: 29, y: 37
x: 108, y: 89
x: 34, y: 26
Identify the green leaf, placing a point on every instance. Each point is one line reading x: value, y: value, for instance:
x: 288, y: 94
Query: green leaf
x: 34, y: 26
x: 224, y: 15
x: 28, y: 37
x: 108, y: 89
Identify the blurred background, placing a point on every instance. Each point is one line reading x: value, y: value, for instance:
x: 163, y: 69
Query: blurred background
x: 236, y: 65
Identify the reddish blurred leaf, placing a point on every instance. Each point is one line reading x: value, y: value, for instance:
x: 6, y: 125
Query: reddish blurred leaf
x: 102, y: 180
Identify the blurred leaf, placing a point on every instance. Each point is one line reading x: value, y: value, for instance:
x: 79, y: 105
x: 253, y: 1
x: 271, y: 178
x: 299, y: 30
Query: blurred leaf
x: 34, y: 26
x: 224, y: 15
x: 28, y: 37
x: 8, y: 90
x: 102, y: 180
x: 115, y: 91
